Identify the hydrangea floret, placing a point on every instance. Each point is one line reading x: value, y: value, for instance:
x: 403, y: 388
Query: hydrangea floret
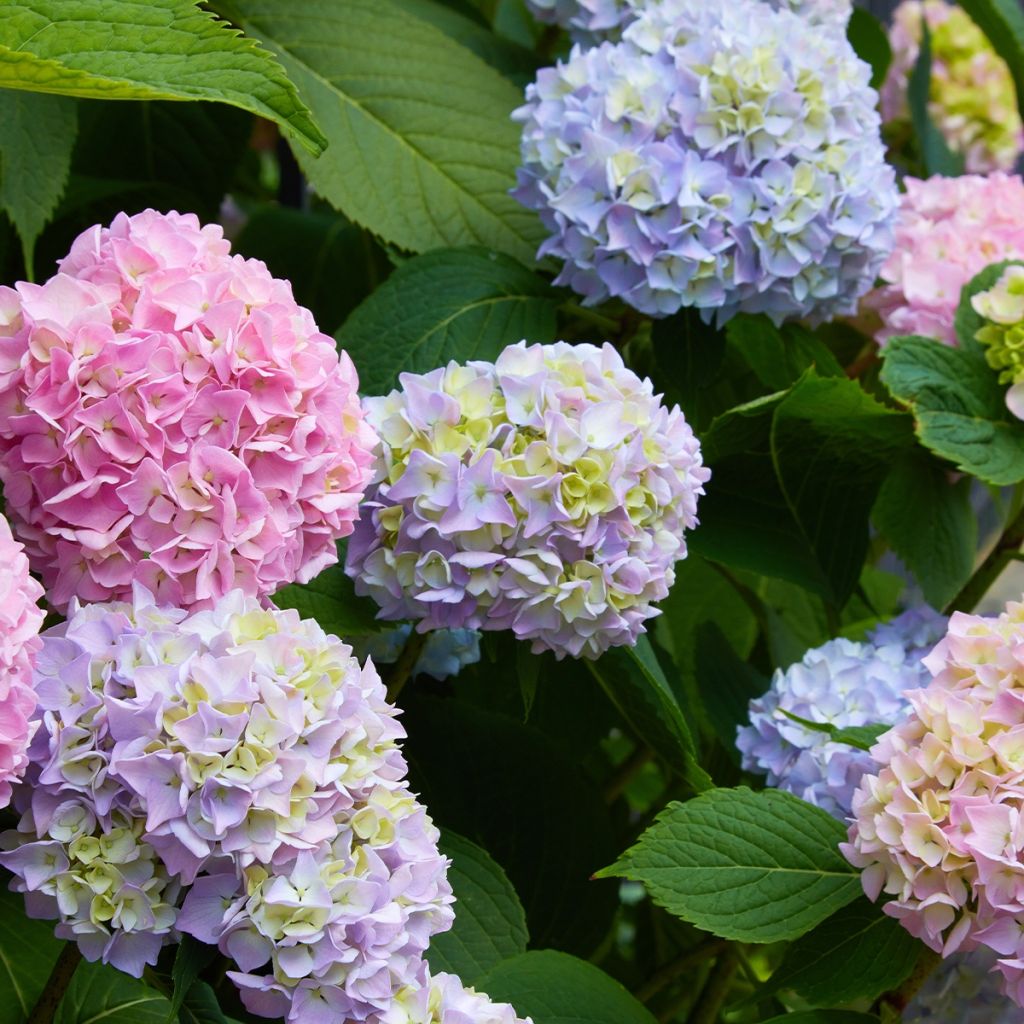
x: 721, y: 156
x: 972, y: 98
x: 247, y: 755
x: 20, y: 621
x: 170, y: 415
x: 444, y: 999
x: 949, y: 230
x: 963, y: 989
x: 842, y: 683
x: 546, y: 493
x: 1002, y: 335
x: 938, y: 828
x: 444, y: 654
x: 592, y: 21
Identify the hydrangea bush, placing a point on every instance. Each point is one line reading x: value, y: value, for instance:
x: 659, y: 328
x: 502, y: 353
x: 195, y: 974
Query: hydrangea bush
x: 511, y: 513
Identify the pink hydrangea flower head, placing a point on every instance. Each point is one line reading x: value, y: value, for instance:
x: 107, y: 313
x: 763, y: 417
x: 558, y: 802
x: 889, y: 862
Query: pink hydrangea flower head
x: 940, y: 828
x: 972, y: 99
x: 949, y: 230
x: 20, y: 619
x: 170, y: 415
x: 255, y: 763
x: 547, y: 493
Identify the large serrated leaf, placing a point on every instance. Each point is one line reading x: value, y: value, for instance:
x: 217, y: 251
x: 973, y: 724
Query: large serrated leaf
x: 152, y: 50
x: 634, y: 682
x: 490, y: 925
x: 958, y: 405
x: 554, y: 988
x: 422, y: 149
x: 858, y: 953
x: 461, y: 304
x: 37, y: 135
x: 757, y: 867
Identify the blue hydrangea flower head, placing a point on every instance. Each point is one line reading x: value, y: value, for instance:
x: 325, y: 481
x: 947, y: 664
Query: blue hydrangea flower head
x: 963, y: 990
x: 446, y: 652
x: 721, y: 156
x: 843, y: 683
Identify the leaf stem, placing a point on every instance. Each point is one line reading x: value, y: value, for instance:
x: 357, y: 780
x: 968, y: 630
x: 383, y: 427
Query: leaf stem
x: 712, y: 999
x: 626, y: 772
x: 1006, y: 549
x: 56, y: 985
x: 668, y: 973
x: 403, y: 668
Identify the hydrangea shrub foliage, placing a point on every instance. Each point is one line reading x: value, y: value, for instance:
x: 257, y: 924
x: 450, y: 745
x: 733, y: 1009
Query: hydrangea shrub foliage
x: 512, y: 512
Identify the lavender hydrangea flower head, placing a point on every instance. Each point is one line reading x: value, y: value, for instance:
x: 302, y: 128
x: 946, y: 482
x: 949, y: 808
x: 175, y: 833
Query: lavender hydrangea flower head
x: 843, y: 683
x: 592, y: 21
x: 445, y: 653
x: 546, y: 493
x: 245, y: 754
x: 722, y: 156
x: 963, y: 989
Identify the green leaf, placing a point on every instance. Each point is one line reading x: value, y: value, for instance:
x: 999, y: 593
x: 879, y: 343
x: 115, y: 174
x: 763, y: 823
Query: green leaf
x: 200, y: 1006
x: 332, y: 264
x: 554, y: 988
x: 517, y: 793
x: 757, y: 867
x: 689, y: 353
x: 936, y: 155
x: 741, y: 428
x: 726, y: 684
x: 28, y: 951
x: 958, y: 407
x: 423, y: 152
x: 99, y: 993
x: 37, y: 135
x: 824, y: 1017
x: 158, y: 50
x: 189, y: 959
x: 1003, y: 22
x: 331, y: 599
x: 779, y: 355
x: 928, y: 520
x: 870, y: 41
x: 449, y: 304
x: 833, y: 445
x: 967, y: 321
x: 636, y: 685
x: 490, y: 925
x: 857, y: 953
x: 862, y: 737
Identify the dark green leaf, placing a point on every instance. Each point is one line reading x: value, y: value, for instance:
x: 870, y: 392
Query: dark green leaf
x: 858, y: 953
x: 449, y: 304
x: 824, y: 1017
x: 28, y: 951
x: 37, y: 135
x: 636, y: 685
x: 99, y: 993
x: 689, y: 354
x: 158, y: 50
x: 333, y: 602
x: 927, y: 518
x: 862, y: 737
x: 490, y: 925
x: 519, y: 795
x: 869, y: 39
x: 422, y: 149
x: 554, y: 988
x: 200, y: 1006
x: 757, y: 867
x: 958, y: 406
x: 190, y: 958
x: 779, y: 355
x: 726, y: 685
x: 332, y: 264
x: 936, y: 155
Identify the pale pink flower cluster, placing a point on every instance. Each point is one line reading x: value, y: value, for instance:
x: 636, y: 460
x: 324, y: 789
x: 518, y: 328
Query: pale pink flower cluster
x: 949, y: 230
x: 940, y: 828
x: 444, y: 999
x: 170, y: 415
x: 20, y: 619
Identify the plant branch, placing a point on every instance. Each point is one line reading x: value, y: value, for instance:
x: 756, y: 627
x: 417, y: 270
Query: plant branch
x: 56, y: 985
x: 712, y: 999
x: 1006, y: 549
x: 403, y: 667
x: 668, y: 973
x: 626, y: 772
